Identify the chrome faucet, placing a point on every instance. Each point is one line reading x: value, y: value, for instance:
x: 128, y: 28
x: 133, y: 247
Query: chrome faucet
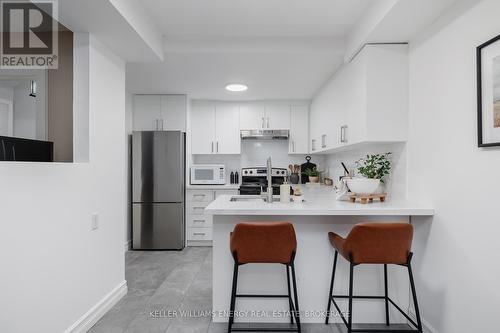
x: 269, y: 181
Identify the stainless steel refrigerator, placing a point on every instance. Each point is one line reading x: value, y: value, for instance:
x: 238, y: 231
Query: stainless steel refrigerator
x: 158, y: 190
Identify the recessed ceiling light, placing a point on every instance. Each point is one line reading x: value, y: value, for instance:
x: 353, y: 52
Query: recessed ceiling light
x: 236, y: 87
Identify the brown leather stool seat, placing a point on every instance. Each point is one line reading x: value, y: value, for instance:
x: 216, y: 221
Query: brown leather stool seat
x: 374, y: 243
x: 260, y: 242
x: 265, y: 243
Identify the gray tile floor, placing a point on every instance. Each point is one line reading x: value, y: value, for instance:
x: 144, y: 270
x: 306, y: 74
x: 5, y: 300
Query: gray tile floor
x: 170, y: 281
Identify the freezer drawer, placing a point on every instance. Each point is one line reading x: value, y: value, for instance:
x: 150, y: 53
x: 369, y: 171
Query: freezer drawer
x: 158, y: 226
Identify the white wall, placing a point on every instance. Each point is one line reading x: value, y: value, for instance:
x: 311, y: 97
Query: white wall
x: 54, y: 269
x: 24, y: 111
x: 128, y: 143
x: 456, y: 252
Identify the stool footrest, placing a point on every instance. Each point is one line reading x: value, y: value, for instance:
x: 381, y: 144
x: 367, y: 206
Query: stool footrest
x: 265, y: 329
x: 262, y: 296
x: 332, y: 299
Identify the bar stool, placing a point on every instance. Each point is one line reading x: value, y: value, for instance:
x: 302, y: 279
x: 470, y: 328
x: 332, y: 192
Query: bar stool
x: 374, y: 243
x: 270, y: 243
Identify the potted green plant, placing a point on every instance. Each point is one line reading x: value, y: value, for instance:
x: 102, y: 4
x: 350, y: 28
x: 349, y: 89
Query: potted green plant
x: 374, y: 168
x: 313, y: 175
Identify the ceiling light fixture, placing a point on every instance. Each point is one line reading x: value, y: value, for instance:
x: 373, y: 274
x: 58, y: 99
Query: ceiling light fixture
x: 236, y: 87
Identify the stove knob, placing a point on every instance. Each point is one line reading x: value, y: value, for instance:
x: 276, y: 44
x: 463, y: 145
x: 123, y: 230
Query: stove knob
x: 282, y: 172
x: 246, y: 172
x: 251, y: 172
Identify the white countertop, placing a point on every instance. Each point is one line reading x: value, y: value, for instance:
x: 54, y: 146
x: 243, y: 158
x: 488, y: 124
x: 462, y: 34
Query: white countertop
x: 213, y: 187
x: 318, y: 200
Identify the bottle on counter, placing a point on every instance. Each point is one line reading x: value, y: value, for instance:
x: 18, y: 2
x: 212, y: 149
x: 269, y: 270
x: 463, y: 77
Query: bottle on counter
x: 285, y: 192
x: 231, y: 177
x: 236, y: 178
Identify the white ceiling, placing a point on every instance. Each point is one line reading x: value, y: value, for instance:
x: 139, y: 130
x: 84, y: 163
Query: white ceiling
x: 255, y: 17
x: 282, y: 49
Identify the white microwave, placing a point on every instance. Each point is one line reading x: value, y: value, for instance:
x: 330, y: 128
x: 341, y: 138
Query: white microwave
x: 208, y: 174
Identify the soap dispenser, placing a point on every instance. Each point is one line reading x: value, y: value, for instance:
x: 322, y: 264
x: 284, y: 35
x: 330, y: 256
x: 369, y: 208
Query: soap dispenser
x: 285, y: 192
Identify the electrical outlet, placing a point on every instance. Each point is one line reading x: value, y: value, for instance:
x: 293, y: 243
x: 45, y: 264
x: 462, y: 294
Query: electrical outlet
x: 94, y: 225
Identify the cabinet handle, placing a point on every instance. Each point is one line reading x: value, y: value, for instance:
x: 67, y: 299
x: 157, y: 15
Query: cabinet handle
x: 199, y: 233
x: 212, y: 147
x: 263, y: 125
x: 198, y: 195
x: 267, y: 122
x: 313, y: 145
x: 217, y: 146
x: 161, y: 122
x: 323, y: 141
x: 343, y: 136
x: 199, y: 221
x: 293, y: 146
x: 156, y: 124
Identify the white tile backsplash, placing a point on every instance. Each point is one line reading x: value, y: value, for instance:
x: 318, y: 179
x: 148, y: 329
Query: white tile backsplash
x: 395, y: 184
x: 255, y: 153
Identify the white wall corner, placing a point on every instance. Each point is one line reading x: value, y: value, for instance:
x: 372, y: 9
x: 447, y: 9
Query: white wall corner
x: 142, y: 23
x: 84, y: 323
x: 367, y: 24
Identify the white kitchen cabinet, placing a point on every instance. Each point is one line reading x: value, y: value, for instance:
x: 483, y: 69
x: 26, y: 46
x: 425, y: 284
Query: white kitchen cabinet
x: 159, y: 113
x: 202, y: 129
x: 252, y: 116
x: 227, y: 129
x: 271, y: 116
x: 146, y: 112
x: 199, y: 224
x: 365, y: 102
x: 277, y: 117
x: 298, y: 142
x: 215, y: 128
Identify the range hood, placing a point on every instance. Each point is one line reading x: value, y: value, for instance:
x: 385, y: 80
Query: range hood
x: 265, y: 134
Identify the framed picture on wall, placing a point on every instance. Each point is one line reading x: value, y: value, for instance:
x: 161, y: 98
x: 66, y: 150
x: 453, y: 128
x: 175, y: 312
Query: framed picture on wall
x: 488, y: 93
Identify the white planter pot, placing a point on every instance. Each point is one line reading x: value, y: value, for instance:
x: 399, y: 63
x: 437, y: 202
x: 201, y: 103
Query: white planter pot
x: 363, y: 185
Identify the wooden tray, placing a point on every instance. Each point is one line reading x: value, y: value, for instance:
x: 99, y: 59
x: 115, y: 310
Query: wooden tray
x: 365, y: 198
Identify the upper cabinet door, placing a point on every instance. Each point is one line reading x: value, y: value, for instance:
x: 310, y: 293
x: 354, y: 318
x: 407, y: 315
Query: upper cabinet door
x: 299, y: 130
x: 203, y: 129
x: 146, y: 112
x: 277, y: 117
x: 252, y: 116
x: 173, y: 113
x: 227, y: 129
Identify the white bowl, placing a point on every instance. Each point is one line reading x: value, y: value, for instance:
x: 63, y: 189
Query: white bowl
x: 363, y: 185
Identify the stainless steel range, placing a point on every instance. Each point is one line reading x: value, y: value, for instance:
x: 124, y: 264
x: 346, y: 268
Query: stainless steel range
x: 254, y: 180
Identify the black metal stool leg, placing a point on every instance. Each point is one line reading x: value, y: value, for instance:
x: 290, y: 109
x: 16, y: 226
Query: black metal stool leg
x: 414, y: 294
x: 331, y: 288
x: 289, y: 293
x: 233, y: 297
x: 386, y: 296
x: 297, y: 311
x: 349, y: 315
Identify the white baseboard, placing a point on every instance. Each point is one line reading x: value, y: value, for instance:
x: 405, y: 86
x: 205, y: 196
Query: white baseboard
x: 128, y: 245
x: 99, y: 310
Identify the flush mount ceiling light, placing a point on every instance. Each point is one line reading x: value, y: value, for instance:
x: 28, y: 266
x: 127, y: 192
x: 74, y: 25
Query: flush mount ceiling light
x: 236, y: 87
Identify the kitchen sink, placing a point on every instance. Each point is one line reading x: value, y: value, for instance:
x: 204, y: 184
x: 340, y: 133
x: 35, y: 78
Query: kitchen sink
x: 254, y: 198
x: 247, y: 199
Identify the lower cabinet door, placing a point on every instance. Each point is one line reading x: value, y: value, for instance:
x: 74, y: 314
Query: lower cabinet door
x: 158, y: 226
x: 201, y: 234
x: 200, y: 221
